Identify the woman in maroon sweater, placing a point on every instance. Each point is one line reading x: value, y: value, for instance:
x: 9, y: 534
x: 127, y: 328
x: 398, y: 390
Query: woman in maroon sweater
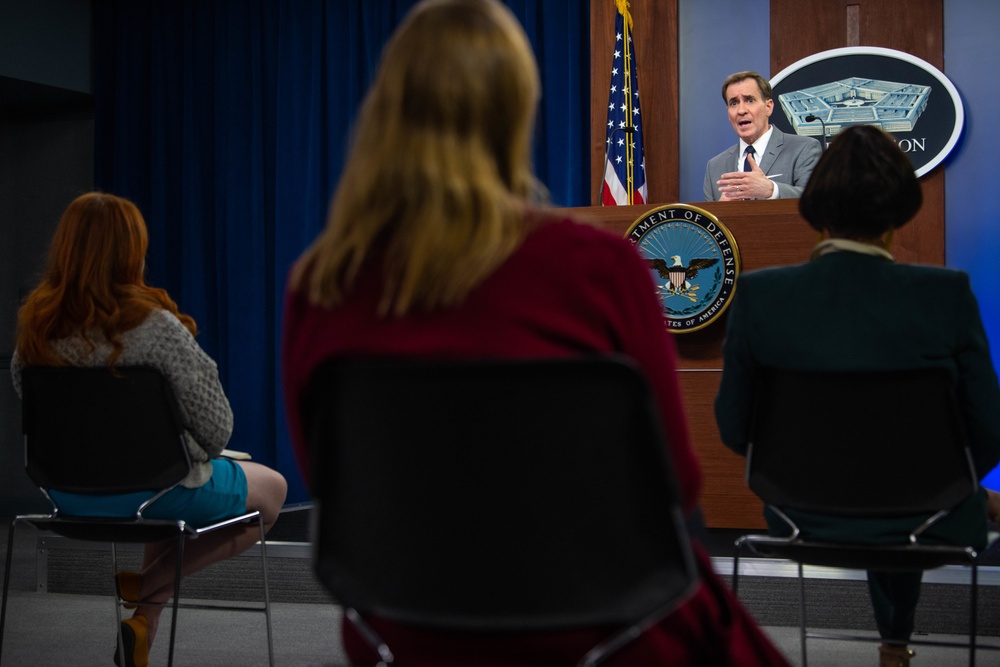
x: 433, y: 249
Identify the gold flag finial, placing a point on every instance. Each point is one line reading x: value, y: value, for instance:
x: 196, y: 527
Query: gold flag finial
x: 622, y: 6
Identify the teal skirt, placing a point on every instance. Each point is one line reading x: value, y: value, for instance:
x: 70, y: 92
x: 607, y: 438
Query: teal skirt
x: 224, y: 495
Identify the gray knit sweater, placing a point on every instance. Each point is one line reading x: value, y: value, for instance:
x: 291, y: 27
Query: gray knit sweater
x: 162, y: 342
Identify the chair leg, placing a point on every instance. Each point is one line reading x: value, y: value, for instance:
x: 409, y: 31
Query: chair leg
x: 604, y: 651
x: 177, y: 596
x: 367, y: 632
x: 267, y: 592
x: 973, y: 613
x: 118, y: 607
x: 6, y: 583
x: 802, y: 616
x: 114, y: 572
x: 736, y: 569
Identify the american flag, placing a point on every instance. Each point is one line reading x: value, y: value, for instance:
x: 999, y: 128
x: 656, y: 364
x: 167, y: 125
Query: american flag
x: 625, y: 167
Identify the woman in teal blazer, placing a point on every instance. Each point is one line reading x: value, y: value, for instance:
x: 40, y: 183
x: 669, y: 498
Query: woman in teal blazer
x: 851, y: 307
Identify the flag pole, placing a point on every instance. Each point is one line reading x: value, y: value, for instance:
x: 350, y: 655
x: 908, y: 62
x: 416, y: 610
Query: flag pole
x: 622, y: 6
x: 624, y: 162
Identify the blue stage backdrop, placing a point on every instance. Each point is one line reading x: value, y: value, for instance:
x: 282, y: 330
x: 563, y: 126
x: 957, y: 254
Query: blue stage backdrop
x: 227, y: 123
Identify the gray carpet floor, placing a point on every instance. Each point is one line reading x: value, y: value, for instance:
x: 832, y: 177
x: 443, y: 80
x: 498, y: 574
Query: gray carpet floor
x: 70, y: 629
x: 61, y: 613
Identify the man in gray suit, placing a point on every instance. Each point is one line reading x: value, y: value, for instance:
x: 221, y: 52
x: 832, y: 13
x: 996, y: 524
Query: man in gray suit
x: 766, y: 163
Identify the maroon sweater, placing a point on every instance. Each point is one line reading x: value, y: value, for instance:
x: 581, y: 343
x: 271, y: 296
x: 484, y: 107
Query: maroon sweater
x: 570, y: 289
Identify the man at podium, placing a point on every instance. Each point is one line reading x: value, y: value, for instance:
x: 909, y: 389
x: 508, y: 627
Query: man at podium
x: 766, y: 163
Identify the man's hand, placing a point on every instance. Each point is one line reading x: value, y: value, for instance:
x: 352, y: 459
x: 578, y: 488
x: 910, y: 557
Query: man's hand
x: 753, y: 184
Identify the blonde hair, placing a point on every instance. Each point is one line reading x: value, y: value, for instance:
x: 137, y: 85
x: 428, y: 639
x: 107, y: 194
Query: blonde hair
x: 440, y: 166
x: 93, y: 281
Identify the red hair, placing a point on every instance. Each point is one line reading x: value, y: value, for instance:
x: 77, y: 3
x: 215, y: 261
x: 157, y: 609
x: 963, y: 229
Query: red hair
x: 93, y: 281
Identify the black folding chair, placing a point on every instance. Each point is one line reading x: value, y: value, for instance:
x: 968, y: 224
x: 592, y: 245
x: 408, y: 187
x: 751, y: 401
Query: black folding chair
x: 100, y: 431
x: 495, y: 496
x: 860, y: 445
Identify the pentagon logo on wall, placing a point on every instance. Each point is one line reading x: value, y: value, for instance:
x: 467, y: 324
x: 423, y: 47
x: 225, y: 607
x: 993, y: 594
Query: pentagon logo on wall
x: 866, y: 85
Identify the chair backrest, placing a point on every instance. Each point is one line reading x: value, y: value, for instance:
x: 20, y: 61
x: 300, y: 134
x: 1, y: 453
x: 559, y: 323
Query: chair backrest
x: 97, y: 431
x: 494, y: 494
x: 859, y: 443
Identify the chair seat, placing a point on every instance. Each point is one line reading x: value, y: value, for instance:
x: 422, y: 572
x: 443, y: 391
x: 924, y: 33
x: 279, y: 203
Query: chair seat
x: 860, y: 556
x: 876, y: 444
x: 128, y: 530
x: 82, y: 429
x: 108, y: 530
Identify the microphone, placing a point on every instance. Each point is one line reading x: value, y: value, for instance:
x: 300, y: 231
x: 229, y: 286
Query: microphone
x: 604, y: 166
x: 812, y: 119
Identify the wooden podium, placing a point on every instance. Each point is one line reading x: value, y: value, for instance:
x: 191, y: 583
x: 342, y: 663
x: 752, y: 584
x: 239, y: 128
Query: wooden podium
x: 767, y: 233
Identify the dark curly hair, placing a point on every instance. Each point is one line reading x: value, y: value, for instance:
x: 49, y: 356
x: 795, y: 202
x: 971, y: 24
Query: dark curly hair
x: 862, y: 187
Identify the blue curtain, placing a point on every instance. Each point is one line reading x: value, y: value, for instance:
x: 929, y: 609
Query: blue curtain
x: 227, y: 122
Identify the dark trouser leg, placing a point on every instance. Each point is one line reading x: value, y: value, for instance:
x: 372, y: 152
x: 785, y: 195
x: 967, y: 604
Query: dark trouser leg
x: 894, y: 598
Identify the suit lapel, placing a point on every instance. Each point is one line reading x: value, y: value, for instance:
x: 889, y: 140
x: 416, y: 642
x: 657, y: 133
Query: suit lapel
x: 773, y: 148
x: 731, y: 156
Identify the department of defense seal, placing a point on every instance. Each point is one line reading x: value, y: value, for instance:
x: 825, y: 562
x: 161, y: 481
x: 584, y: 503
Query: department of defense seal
x: 694, y: 261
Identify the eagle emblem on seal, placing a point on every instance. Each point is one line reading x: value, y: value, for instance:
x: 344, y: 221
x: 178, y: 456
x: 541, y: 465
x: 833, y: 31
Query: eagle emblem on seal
x: 693, y: 262
x: 677, y: 275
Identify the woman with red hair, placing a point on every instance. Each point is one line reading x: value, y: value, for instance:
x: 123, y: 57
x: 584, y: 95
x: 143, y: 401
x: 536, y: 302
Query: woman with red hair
x: 93, y: 308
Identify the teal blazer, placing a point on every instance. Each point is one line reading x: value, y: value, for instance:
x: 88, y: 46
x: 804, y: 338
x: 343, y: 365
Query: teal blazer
x: 852, y: 311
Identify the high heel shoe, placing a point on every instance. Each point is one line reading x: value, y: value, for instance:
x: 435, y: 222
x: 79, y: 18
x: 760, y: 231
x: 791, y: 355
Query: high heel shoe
x: 127, y: 585
x: 135, y: 640
x: 894, y: 655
